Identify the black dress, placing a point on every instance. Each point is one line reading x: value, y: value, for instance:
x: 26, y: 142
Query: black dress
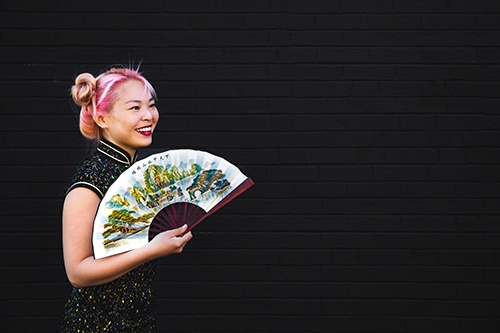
x: 128, y: 303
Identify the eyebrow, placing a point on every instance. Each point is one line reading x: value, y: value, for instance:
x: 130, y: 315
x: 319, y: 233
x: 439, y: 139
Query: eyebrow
x: 138, y: 101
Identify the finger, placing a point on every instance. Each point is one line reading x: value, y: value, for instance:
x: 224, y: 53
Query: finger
x: 185, y: 238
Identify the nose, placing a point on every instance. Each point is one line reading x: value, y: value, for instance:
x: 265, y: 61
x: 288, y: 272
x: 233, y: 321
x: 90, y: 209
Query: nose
x: 147, y: 114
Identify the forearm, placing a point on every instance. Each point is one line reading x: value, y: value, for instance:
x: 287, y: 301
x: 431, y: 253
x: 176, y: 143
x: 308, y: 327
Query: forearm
x: 92, y: 272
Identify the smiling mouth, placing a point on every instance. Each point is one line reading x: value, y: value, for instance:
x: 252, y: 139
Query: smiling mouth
x: 145, y: 130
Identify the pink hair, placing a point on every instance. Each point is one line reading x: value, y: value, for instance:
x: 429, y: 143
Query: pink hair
x: 97, y: 96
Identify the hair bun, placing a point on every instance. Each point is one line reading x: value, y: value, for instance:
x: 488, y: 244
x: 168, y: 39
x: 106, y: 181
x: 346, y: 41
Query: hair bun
x: 84, y: 89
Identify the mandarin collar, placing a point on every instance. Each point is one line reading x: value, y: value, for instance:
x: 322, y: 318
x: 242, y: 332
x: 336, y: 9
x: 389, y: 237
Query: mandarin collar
x: 117, y: 153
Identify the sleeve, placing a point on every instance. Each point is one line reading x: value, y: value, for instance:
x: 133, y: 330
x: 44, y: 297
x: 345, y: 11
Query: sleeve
x: 90, y: 186
x: 89, y: 177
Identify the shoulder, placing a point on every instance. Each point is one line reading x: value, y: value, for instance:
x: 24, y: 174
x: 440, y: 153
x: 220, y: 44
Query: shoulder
x: 95, y: 173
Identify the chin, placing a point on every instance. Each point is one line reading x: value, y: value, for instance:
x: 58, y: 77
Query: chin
x: 146, y: 143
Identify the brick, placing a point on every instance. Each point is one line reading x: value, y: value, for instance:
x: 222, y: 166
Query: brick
x: 432, y: 325
x: 429, y: 291
x: 269, y: 290
x: 443, y: 55
x: 399, y: 173
x: 385, y: 257
x: 478, y: 292
x: 360, y: 6
x: 485, y: 325
x: 293, y: 274
x: 488, y: 6
x: 456, y: 274
x: 348, y: 307
x: 454, y: 173
x: 487, y: 21
x: 270, y: 322
x: 346, y: 173
x: 469, y: 258
x: 375, y: 223
x: 271, y: 21
x: 348, y: 274
x: 401, y: 241
x: 241, y: 55
x: 426, y: 6
x: 372, y: 290
x: 385, y: 324
x: 320, y: 323
x: 402, y: 308
x: 426, y: 190
x: 335, y: 55
x: 302, y: 307
x: 323, y: 290
x: 401, y: 274
x: 448, y: 22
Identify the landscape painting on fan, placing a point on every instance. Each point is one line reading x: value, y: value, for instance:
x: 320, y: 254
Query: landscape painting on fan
x: 161, y: 192
x: 161, y: 187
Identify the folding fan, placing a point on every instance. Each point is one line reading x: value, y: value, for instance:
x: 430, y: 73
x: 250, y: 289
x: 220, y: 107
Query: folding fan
x: 162, y: 192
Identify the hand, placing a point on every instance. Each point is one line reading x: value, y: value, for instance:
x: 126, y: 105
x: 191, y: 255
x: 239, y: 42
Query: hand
x: 170, y: 242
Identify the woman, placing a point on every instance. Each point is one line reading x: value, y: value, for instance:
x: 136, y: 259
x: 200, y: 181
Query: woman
x: 113, y: 294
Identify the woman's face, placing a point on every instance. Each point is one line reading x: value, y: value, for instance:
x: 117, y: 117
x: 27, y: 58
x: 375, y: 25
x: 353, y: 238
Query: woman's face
x: 133, y: 118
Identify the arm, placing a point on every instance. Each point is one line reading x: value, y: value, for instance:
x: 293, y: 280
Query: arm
x: 80, y: 207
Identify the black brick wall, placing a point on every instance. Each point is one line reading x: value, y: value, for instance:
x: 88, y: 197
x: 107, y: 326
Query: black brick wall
x: 369, y: 127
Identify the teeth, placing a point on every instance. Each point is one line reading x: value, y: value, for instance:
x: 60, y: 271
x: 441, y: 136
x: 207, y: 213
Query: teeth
x: 144, y: 129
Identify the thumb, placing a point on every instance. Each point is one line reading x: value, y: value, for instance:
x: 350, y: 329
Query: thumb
x: 179, y: 231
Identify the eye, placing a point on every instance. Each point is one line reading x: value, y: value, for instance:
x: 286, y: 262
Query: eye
x: 135, y: 107
x: 152, y: 105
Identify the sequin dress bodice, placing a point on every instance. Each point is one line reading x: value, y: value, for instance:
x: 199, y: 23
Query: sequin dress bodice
x: 128, y: 303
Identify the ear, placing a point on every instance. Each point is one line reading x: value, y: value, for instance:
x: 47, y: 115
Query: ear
x: 100, y: 121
